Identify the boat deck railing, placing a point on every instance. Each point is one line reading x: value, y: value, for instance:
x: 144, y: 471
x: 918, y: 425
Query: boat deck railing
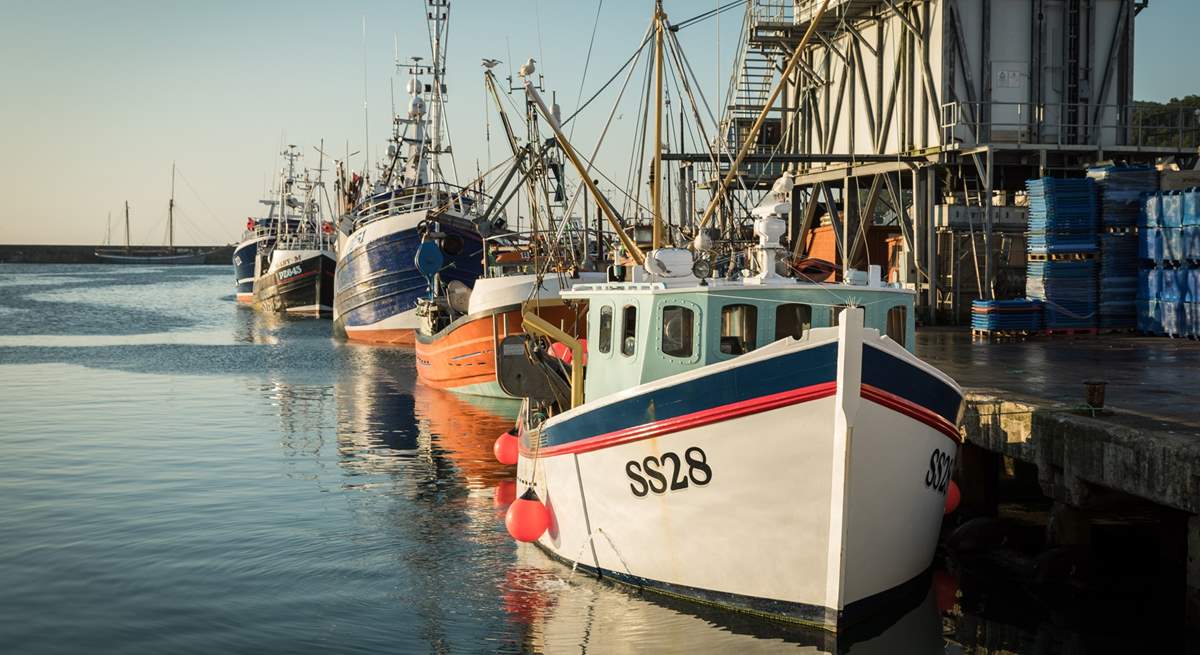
x: 303, y: 241
x: 433, y: 197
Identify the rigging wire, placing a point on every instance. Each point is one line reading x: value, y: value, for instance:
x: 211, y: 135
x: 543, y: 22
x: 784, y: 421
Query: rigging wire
x: 587, y: 62
x: 720, y: 9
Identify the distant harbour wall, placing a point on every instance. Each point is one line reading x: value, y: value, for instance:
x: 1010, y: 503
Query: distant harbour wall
x: 50, y: 254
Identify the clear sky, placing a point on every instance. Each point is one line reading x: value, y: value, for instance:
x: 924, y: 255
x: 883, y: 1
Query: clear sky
x: 97, y: 98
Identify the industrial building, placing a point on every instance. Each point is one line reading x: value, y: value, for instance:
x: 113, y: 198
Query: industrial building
x: 911, y: 127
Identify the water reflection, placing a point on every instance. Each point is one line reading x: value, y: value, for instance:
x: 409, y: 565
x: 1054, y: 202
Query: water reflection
x: 565, y: 613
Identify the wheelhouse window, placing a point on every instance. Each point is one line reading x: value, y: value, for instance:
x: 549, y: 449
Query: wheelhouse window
x: 897, y: 324
x: 629, y: 330
x: 677, y: 331
x: 792, y: 320
x: 605, y: 335
x: 739, y: 328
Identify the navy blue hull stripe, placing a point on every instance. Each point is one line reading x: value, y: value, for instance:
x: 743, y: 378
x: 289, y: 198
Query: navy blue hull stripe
x: 903, y: 379
x: 777, y: 375
x: 796, y: 370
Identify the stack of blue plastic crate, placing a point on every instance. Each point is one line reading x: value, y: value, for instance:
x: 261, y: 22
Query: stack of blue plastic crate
x: 1122, y: 189
x: 1169, y: 250
x: 1062, y: 244
x: 1006, y: 316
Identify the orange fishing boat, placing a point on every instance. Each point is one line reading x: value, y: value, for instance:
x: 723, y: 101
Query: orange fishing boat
x: 459, y: 337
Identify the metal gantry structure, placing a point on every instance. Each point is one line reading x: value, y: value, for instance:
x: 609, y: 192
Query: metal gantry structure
x: 928, y: 116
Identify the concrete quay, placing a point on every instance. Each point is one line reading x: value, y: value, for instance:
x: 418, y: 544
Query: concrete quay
x: 1025, y: 403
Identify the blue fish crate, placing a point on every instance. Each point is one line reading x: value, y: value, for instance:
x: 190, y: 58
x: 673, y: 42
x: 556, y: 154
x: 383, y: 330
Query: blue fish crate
x: 1172, y: 209
x: 1191, y: 319
x: 1150, y: 243
x: 1191, y: 284
x: 1152, y: 209
x: 1050, y: 243
x: 1068, y: 290
x: 1191, y: 242
x: 1062, y: 205
x: 1174, y: 284
x: 1191, y: 207
x: 1149, y: 284
x: 1122, y: 189
x: 1020, y: 315
x: 1172, y: 318
x: 1172, y: 244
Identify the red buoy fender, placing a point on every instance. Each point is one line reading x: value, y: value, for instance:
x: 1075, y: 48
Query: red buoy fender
x: 506, y: 449
x: 527, y: 517
x: 953, y: 498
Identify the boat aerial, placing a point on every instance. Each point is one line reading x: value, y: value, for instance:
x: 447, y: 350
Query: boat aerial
x: 298, y: 278
x: 377, y: 284
x: 168, y: 255
x: 745, y: 438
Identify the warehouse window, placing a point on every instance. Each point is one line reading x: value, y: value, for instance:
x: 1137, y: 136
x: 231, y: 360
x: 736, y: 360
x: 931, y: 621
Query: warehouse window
x: 792, y: 320
x: 677, y: 331
x: 605, y: 329
x: 897, y: 324
x: 739, y: 328
x: 629, y: 330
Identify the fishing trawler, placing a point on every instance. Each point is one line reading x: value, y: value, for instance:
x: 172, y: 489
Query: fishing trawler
x: 298, y: 278
x: 168, y: 255
x: 377, y: 284
x: 460, y: 328
x: 250, y: 254
x: 748, y: 440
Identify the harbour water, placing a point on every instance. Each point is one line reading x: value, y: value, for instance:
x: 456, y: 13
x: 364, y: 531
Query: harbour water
x: 184, y: 475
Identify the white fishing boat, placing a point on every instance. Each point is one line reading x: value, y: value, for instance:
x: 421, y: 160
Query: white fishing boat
x: 749, y: 440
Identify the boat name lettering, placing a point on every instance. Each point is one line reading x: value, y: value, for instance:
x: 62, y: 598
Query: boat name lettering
x: 941, y: 465
x: 666, y: 473
x: 287, y: 272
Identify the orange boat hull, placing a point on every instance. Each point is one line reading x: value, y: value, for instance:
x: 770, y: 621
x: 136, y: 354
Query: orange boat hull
x: 464, y: 359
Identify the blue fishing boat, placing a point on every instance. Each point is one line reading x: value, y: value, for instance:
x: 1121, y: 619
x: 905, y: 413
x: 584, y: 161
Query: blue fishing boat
x: 377, y: 284
x: 249, y: 256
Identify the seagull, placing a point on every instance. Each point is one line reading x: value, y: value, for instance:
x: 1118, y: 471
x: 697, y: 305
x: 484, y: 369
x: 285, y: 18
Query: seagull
x: 527, y: 68
x: 782, y: 189
x: 490, y: 63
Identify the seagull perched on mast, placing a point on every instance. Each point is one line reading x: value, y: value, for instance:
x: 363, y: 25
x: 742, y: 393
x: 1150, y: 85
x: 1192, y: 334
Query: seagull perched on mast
x: 490, y: 63
x: 527, y: 68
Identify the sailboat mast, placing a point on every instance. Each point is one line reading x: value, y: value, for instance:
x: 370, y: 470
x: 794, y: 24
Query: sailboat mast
x: 656, y: 185
x: 127, y: 248
x: 171, y: 213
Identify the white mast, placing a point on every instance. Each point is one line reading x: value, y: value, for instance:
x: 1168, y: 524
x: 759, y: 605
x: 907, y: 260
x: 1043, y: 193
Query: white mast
x: 171, y: 213
x: 438, y: 16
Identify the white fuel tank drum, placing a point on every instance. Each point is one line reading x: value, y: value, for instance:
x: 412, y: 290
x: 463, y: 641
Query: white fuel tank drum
x: 669, y: 262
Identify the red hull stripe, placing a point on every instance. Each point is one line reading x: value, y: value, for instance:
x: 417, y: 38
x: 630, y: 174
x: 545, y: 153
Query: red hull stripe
x: 693, y: 420
x: 912, y: 410
x: 742, y: 408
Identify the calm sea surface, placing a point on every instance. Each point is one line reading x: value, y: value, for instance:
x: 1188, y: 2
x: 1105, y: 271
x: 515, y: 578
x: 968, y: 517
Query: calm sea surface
x: 184, y: 475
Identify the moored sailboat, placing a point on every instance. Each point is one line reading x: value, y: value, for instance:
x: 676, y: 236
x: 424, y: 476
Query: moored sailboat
x: 168, y: 255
